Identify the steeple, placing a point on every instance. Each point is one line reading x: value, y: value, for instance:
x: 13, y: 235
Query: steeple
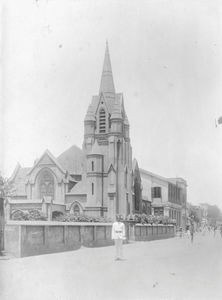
x: 107, y: 84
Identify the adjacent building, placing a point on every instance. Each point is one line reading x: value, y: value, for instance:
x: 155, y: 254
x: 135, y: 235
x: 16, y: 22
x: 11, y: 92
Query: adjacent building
x: 167, y: 195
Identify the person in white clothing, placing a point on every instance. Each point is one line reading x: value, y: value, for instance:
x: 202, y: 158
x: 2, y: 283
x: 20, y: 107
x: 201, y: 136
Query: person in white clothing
x: 118, y: 235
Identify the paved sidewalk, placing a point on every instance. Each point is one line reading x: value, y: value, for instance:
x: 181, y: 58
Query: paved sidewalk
x: 165, y: 269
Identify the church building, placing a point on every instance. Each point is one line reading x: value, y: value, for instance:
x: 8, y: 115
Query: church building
x: 98, y: 179
x: 101, y: 179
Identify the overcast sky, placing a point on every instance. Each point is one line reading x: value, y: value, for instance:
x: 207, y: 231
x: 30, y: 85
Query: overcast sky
x: 166, y: 58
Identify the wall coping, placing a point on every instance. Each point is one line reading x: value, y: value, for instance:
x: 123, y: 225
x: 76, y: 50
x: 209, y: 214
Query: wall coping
x: 149, y: 225
x: 55, y: 223
x: 22, y: 201
x: 34, y: 201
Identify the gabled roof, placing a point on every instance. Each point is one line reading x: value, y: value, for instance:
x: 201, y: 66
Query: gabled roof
x: 111, y: 168
x: 15, y: 172
x: 102, y: 99
x: 72, y: 160
x: 117, y: 110
x: 19, y: 181
x: 90, y: 114
x: 112, y: 104
x: 135, y: 165
x: 168, y: 180
x: 144, y: 172
x: 52, y: 159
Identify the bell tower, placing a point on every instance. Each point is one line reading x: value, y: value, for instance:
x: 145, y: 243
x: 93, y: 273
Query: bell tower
x: 107, y: 144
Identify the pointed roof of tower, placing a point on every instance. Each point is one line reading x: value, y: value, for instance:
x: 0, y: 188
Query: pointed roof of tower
x: 107, y: 84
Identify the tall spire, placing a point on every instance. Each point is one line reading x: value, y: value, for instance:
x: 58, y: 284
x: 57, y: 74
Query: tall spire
x: 107, y: 84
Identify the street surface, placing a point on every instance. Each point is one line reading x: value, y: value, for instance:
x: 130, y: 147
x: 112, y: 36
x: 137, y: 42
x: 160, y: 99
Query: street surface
x: 164, y: 269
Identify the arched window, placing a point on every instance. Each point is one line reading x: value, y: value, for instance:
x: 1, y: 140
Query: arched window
x: 76, y: 209
x: 51, y: 188
x: 92, y: 188
x: 42, y: 189
x: 112, y: 177
x: 92, y: 165
x: 126, y: 177
x: 102, y: 121
x: 46, y: 184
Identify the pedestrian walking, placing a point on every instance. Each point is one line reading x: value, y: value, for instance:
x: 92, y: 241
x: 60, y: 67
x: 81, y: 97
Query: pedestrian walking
x: 209, y: 229
x: 181, y: 232
x: 187, y: 231
x: 192, y: 231
x: 204, y: 230
x: 118, y: 235
x: 215, y: 230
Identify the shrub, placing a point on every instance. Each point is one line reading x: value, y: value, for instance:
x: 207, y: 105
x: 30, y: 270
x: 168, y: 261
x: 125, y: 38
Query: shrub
x: 19, y: 215
x: 57, y: 215
x: 67, y: 217
x: 35, y: 214
x: 30, y: 215
x: 149, y: 219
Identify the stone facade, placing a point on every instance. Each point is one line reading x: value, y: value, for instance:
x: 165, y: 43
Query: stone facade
x: 100, y: 179
x: 96, y: 179
x: 107, y: 149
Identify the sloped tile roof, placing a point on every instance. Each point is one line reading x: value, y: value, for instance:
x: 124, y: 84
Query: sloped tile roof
x: 19, y: 181
x: 72, y: 160
x: 80, y: 188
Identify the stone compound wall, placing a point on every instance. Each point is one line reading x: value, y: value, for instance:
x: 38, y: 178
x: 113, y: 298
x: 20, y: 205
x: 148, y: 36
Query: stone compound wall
x: 153, y: 232
x: 26, y: 238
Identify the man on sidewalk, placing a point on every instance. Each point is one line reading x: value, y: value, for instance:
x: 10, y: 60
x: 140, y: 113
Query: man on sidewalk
x: 118, y: 235
x: 192, y: 231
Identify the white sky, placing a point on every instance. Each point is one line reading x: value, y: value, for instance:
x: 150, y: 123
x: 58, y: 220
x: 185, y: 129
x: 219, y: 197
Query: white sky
x: 166, y: 58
